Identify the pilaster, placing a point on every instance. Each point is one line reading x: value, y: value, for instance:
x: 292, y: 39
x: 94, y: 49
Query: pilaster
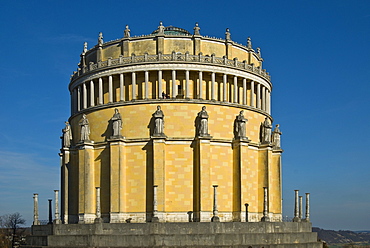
x: 86, y: 206
x: 117, y: 177
x: 159, y: 168
x: 64, y: 167
x: 240, y: 167
x: 202, y: 180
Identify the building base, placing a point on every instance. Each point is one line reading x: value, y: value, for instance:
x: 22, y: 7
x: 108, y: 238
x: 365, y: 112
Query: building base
x: 201, y: 234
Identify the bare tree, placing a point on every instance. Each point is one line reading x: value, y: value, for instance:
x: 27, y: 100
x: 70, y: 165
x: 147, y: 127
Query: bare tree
x: 12, y: 222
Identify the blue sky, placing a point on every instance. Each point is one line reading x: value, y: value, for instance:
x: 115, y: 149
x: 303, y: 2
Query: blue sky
x: 317, y: 53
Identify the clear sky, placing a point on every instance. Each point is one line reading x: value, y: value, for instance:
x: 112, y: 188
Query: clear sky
x: 317, y: 52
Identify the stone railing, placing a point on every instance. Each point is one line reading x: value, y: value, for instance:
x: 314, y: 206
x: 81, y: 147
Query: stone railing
x: 173, y: 57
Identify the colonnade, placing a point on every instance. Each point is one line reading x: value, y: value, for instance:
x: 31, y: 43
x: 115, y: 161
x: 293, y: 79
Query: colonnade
x: 175, y: 84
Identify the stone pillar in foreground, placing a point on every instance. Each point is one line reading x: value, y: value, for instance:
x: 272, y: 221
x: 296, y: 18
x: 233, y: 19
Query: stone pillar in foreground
x: 307, y: 219
x: 246, y: 212
x: 215, y: 217
x: 296, y: 210
x: 300, y: 207
x: 50, y: 213
x: 265, y: 217
x: 56, y: 206
x: 155, y: 205
x: 98, y: 218
x: 36, y: 209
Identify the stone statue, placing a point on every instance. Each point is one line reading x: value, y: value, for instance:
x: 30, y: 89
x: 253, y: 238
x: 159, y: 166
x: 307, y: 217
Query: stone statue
x: 240, y: 125
x: 100, y: 39
x: 227, y: 34
x: 196, y: 29
x: 67, y: 135
x: 158, y: 122
x: 276, y: 137
x: 259, y: 52
x: 85, y: 47
x: 126, y: 32
x: 249, y: 42
x: 117, y: 123
x: 160, y: 28
x: 266, y: 131
x: 203, y: 122
x: 85, y: 128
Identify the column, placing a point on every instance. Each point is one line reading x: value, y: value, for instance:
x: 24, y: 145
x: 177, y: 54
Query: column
x: 187, y: 90
x: 252, y: 94
x: 101, y: 91
x: 258, y: 97
x: 246, y: 212
x: 224, y: 87
x: 133, y: 84
x: 160, y: 90
x: 79, y: 98
x: 213, y: 76
x: 215, y: 217
x: 121, y: 87
x: 50, y: 213
x: 307, y: 219
x: 73, y: 101
x: 110, y: 89
x: 92, y: 100
x: 56, y: 215
x: 296, y: 207
x: 235, y: 89
x: 244, y: 91
x: 146, y: 78
x: 200, y: 85
x: 84, y: 95
x: 98, y: 211
x: 64, y: 161
x: 155, y: 206
x: 174, y: 89
x: 36, y: 209
x: 300, y: 207
x: 265, y: 217
x: 268, y: 102
x: 263, y: 97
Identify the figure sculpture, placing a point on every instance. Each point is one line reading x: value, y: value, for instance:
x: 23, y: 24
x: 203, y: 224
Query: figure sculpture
x: 158, y: 122
x: 100, y: 39
x: 85, y: 128
x: 126, y: 32
x: 203, y: 122
x: 160, y: 28
x: 85, y: 47
x: 266, y: 131
x: 240, y: 125
x: 276, y: 137
x: 117, y: 123
x: 196, y: 29
x: 227, y: 34
x: 67, y: 135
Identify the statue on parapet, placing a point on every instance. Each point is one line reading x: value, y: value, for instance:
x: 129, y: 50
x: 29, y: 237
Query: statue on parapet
x: 67, y: 135
x: 196, y: 29
x: 85, y: 47
x: 100, y: 39
x: 266, y: 131
x: 126, y: 32
x: 158, y: 122
x: 85, y: 129
x: 161, y: 28
x: 240, y: 126
x: 116, y: 123
x: 227, y: 34
x: 276, y: 142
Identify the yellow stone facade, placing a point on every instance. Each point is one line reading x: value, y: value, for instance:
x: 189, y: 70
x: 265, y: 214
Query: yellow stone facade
x: 131, y: 74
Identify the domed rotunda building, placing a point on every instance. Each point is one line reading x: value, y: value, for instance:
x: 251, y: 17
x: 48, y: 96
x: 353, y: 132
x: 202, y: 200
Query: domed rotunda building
x: 170, y: 127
